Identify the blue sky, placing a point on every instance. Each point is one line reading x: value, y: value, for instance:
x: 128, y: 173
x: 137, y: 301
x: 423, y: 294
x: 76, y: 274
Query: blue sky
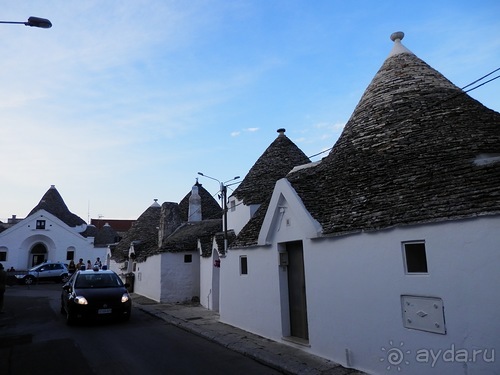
x: 122, y: 102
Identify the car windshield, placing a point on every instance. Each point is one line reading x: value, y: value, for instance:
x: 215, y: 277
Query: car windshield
x: 98, y: 280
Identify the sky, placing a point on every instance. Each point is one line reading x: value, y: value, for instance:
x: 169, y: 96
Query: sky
x: 123, y: 102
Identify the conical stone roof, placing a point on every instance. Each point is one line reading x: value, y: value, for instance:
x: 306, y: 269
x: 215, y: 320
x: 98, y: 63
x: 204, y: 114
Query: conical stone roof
x: 416, y: 149
x: 210, y: 209
x: 144, y: 234
x: 105, y: 236
x: 52, y: 202
x: 276, y: 161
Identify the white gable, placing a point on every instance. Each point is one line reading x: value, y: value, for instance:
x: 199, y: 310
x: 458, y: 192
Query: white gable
x: 56, y: 237
x: 287, y: 219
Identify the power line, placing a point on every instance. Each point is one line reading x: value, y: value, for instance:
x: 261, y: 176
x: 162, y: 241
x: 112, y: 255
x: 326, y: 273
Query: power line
x: 484, y: 83
x: 445, y: 100
x: 319, y: 153
x: 477, y: 80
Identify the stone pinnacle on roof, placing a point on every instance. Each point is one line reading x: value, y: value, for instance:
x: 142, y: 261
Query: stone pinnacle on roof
x: 398, y: 47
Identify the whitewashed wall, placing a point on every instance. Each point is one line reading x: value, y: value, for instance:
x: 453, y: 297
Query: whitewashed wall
x: 240, y: 215
x: 354, y: 286
x: 252, y: 301
x: 180, y: 281
x: 147, y: 280
x: 57, y: 237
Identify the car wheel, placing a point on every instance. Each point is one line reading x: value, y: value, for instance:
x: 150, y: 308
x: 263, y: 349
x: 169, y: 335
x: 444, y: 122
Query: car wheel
x: 70, y: 319
x: 65, y: 278
x: 126, y: 318
x: 28, y: 280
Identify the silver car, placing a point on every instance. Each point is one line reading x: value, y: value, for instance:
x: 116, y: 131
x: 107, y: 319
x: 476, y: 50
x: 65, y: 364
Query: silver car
x: 49, y: 271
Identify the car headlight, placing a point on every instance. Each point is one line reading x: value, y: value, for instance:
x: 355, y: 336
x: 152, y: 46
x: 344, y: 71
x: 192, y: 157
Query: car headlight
x: 125, y: 297
x: 80, y: 300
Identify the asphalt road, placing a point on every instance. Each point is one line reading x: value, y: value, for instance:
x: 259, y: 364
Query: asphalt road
x: 34, y: 339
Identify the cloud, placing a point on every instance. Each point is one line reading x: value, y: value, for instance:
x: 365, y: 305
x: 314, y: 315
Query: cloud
x: 249, y: 130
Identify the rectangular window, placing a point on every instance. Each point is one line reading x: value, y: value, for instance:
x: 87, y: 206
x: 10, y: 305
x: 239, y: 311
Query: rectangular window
x: 232, y: 205
x: 415, y: 257
x: 188, y: 258
x: 40, y: 224
x: 70, y: 255
x: 243, y: 265
x: 3, y: 256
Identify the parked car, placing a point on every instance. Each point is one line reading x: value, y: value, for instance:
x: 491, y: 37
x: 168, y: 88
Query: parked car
x: 95, y: 294
x: 48, y: 271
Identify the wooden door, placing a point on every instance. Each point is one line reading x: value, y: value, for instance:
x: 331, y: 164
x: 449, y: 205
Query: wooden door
x: 297, y: 291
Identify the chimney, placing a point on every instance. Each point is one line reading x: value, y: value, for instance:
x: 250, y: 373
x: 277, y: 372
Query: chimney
x: 170, y: 220
x: 194, y: 213
x: 281, y: 132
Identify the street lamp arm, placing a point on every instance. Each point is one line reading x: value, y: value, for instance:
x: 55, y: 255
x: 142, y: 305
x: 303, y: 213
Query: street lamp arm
x: 234, y: 178
x: 204, y: 175
x: 39, y: 22
x: 33, y: 22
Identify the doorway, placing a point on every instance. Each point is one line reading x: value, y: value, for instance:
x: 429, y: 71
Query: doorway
x: 38, y: 254
x: 297, y: 291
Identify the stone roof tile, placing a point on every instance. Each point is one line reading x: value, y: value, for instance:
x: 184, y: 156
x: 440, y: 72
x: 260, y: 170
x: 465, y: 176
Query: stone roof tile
x: 276, y: 161
x: 417, y: 149
x: 53, y: 203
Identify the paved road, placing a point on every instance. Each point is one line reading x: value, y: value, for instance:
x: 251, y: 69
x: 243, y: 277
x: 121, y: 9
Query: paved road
x: 34, y: 339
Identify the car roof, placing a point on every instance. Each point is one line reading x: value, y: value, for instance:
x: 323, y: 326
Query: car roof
x: 86, y: 272
x: 49, y: 262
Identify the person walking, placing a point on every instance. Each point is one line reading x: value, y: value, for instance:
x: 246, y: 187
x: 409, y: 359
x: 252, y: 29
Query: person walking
x: 3, y: 282
x: 98, y: 263
x: 89, y: 265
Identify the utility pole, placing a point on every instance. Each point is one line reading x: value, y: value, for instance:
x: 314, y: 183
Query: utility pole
x: 223, y: 192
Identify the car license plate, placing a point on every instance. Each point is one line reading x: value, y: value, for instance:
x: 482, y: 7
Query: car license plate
x: 104, y: 311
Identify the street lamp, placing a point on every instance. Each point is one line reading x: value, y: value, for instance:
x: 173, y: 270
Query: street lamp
x: 33, y: 22
x: 223, y: 191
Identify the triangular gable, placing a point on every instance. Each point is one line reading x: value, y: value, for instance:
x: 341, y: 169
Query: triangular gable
x: 50, y: 218
x: 286, y: 218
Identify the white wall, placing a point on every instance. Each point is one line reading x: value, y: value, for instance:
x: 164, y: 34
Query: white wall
x: 463, y: 261
x: 180, y: 281
x: 252, y: 301
x: 57, y: 237
x: 354, y: 286
x: 237, y: 218
x: 147, y: 280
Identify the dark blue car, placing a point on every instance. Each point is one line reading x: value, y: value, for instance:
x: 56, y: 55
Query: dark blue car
x: 95, y: 294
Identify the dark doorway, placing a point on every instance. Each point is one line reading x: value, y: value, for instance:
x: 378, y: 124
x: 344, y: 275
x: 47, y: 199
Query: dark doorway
x: 297, y: 291
x: 38, y: 254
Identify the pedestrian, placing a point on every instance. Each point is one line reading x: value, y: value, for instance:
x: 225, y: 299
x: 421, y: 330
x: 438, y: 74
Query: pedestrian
x: 71, y: 267
x: 3, y: 282
x: 98, y: 263
x: 89, y: 265
x: 80, y: 266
